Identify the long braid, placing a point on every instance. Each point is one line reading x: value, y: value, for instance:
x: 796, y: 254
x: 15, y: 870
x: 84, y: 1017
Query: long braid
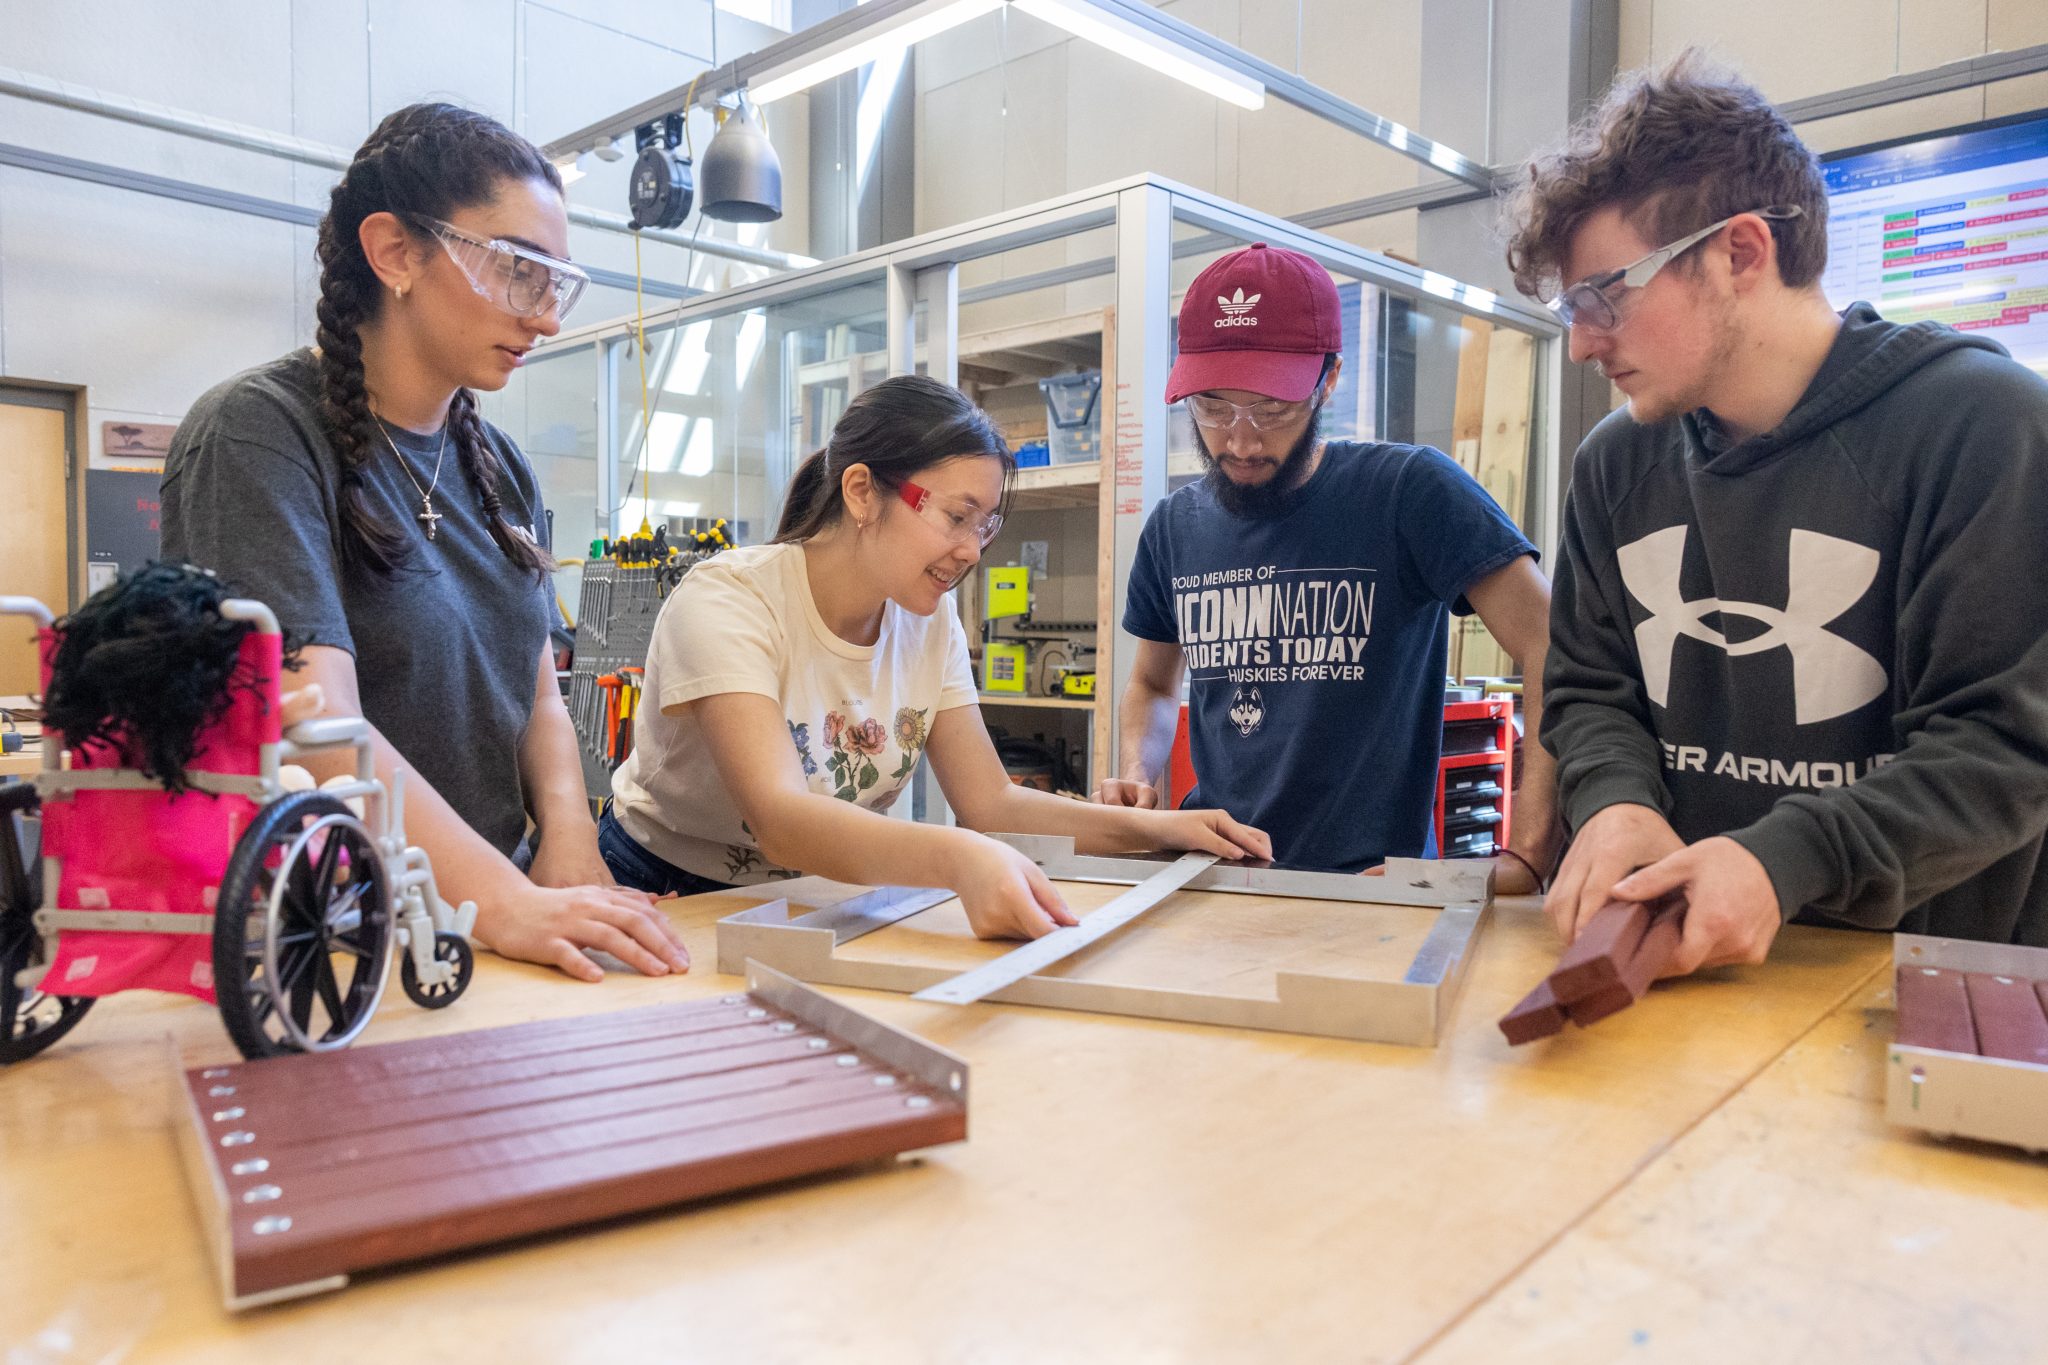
x: 424, y: 162
x: 480, y: 463
x: 366, y: 540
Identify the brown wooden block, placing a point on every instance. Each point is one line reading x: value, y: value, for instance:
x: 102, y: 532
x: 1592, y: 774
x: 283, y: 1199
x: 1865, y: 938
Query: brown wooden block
x: 2008, y: 1017
x: 1934, y: 1010
x: 1595, y: 958
x: 316, y: 1148
x: 1591, y: 1009
x: 1651, y: 956
x: 1538, y: 1016
x: 477, y: 1156
x: 345, y: 1072
x: 285, y: 1121
x: 1654, y: 953
x: 375, y: 1227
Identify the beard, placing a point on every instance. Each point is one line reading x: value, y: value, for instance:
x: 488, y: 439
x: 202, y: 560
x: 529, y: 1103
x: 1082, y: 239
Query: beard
x: 1275, y: 496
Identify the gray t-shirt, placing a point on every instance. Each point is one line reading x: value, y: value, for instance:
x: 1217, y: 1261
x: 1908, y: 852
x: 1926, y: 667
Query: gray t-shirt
x: 447, y: 650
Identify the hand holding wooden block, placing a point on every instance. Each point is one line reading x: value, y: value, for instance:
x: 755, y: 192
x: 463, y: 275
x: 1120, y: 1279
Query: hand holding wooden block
x: 1624, y: 948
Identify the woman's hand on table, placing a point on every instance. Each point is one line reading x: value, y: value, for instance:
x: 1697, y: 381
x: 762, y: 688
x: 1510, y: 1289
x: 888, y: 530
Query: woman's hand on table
x: 1204, y: 831
x: 1004, y: 893
x: 553, y: 926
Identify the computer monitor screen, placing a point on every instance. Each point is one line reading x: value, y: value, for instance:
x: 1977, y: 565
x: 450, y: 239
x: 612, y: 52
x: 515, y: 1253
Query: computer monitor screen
x: 1949, y: 226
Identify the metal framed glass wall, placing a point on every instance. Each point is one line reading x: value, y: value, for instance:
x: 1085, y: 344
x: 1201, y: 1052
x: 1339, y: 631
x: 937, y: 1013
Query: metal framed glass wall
x: 743, y: 383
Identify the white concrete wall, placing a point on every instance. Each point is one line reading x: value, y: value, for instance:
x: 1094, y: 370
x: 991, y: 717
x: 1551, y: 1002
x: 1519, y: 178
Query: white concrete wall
x: 148, y: 302
x: 1796, y: 48
x: 1010, y: 110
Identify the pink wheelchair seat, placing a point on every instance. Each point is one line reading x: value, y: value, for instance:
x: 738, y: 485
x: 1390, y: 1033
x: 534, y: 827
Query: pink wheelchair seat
x: 150, y: 850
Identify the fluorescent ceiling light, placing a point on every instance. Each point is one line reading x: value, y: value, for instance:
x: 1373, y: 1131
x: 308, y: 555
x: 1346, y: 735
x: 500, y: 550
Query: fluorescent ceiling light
x: 571, y: 168
x: 865, y: 44
x: 1119, y: 35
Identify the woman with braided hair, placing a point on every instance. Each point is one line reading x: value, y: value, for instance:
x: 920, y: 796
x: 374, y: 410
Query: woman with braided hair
x: 355, y: 489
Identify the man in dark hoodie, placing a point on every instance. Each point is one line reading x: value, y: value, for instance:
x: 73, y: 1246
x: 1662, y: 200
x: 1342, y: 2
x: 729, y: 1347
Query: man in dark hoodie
x: 1799, y: 634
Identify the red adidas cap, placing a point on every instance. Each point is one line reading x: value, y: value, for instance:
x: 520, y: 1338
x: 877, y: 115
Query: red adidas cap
x: 1262, y: 319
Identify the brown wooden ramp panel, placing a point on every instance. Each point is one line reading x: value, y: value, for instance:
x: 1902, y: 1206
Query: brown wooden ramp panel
x: 308, y: 1168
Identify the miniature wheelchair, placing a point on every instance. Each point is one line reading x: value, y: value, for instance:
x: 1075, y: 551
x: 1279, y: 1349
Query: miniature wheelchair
x: 281, y: 907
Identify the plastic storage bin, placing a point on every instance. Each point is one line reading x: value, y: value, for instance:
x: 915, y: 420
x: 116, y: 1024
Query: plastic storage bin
x: 1073, y: 426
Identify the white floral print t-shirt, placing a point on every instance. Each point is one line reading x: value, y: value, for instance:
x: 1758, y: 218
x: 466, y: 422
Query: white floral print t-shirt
x: 858, y: 715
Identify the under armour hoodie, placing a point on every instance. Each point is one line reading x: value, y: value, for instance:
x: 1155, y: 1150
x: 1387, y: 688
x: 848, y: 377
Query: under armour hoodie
x: 1829, y: 642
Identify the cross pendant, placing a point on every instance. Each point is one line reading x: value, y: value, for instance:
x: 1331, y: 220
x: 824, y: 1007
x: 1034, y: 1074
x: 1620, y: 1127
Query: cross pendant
x: 428, y: 515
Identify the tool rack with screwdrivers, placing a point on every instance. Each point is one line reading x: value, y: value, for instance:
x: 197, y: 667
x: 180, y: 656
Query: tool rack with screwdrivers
x: 625, y: 582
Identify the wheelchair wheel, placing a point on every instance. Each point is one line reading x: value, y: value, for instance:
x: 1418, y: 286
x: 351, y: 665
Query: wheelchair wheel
x: 29, y: 1019
x: 302, y: 931
x: 453, y: 949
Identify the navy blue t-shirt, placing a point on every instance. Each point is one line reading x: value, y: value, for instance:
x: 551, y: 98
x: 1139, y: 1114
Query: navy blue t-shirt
x: 1316, y: 640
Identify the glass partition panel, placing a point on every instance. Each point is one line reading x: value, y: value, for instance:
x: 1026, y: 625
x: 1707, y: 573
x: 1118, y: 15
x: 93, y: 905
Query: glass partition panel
x: 550, y: 410
x: 1031, y: 314
x: 734, y: 400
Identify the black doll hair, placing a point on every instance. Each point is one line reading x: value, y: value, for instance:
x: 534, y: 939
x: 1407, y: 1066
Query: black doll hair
x: 146, y: 665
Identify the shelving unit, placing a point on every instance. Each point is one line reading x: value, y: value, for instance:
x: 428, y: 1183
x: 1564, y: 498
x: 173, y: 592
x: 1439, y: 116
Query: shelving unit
x: 1031, y: 703
x: 1061, y: 504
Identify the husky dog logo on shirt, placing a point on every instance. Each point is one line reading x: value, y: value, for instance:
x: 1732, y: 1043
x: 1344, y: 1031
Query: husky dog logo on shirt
x: 1247, y: 710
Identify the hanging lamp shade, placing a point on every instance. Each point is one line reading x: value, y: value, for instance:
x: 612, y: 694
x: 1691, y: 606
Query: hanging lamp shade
x: 740, y: 180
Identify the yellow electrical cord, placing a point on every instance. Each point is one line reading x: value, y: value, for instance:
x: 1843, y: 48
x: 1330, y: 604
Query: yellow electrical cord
x: 640, y: 352
x: 640, y: 321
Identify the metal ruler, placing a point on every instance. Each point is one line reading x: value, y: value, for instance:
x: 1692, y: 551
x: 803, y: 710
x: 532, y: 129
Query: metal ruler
x: 1037, y: 955
x: 871, y: 910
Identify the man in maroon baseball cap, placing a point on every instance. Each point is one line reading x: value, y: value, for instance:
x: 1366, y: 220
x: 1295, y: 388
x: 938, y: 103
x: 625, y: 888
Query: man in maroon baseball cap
x: 1306, y: 588
x: 1264, y: 327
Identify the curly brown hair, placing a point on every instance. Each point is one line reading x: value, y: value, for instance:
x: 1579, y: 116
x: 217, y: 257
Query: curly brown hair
x: 1674, y: 150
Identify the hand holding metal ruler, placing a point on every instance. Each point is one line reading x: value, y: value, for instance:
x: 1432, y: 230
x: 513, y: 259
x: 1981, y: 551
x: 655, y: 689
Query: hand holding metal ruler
x: 1037, y: 955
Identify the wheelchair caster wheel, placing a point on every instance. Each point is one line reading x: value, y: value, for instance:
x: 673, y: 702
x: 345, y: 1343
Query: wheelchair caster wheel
x: 452, y: 949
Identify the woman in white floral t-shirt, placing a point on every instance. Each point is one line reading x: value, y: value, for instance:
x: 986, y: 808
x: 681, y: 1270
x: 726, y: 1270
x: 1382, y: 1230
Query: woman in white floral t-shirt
x: 795, y: 685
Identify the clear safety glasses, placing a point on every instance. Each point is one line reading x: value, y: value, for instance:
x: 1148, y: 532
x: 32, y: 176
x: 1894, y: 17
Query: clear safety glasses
x: 960, y: 520
x: 524, y: 282
x: 1269, y: 414
x: 1595, y: 302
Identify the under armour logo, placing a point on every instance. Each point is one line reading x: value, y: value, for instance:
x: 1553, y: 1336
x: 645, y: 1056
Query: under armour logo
x: 1831, y: 676
x: 1247, y: 710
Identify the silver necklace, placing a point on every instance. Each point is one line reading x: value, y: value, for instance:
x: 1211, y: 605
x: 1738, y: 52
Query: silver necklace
x: 427, y: 516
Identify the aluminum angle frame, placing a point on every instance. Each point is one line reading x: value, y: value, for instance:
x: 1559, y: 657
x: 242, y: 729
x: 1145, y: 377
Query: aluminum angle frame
x: 1957, y: 1094
x: 1034, y: 957
x: 799, y: 934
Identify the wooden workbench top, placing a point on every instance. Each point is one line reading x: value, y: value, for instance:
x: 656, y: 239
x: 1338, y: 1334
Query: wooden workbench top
x: 1794, y: 1225
x: 1132, y: 1190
